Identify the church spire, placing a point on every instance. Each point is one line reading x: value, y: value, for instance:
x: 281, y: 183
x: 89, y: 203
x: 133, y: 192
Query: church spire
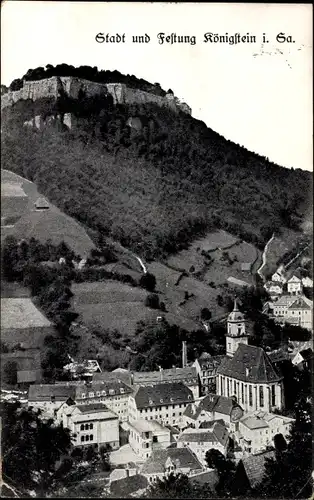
x: 235, y: 307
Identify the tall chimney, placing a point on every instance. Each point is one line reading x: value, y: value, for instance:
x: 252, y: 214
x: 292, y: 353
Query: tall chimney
x: 161, y: 374
x: 184, y: 354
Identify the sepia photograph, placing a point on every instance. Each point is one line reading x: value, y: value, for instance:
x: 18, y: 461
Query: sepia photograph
x: 156, y: 250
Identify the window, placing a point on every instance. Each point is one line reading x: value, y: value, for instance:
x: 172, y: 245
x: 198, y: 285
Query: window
x: 261, y: 396
x: 98, y: 393
x: 82, y: 427
x: 239, y: 330
x: 87, y: 438
x: 250, y: 396
x: 229, y: 345
x: 83, y: 395
x: 82, y: 439
x: 91, y: 394
x: 91, y: 437
x: 273, y: 395
x: 91, y: 426
x: 242, y: 392
x: 155, y: 439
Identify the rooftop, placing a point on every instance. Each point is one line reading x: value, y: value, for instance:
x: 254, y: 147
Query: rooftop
x: 249, y: 364
x: 142, y: 425
x: 162, y: 394
x: 299, y: 304
x: 44, y: 392
x: 182, y: 457
x: 254, y: 466
x: 21, y: 313
x: 97, y: 389
x: 163, y: 375
x: 211, y: 403
x: 216, y: 433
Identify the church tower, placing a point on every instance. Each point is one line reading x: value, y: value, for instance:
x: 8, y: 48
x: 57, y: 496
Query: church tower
x: 236, y: 331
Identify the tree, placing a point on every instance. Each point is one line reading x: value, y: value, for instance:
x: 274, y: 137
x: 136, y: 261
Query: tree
x: 177, y: 486
x: 10, y: 373
x: 148, y: 281
x: 205, y: 314
x: 225, y: 469
x: 152, y: 301
x: 289, y: 474
x: 9, y: 257
x: 33, y: 449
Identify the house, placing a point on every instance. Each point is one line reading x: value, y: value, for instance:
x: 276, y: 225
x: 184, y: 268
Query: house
x: 294, y: 285
x: 300, y: 313
x: 164, y: 403
x: 251, y: 377
x: 279, y: 275
x: 250, y: 471
x: 49, y: 397
x: 172, y: 460
x: 187, y: 375
x: 274, y: 288
x: 280, y: 307
x: 256, y: 430
x: 92, y: 424
x: 147, y: 436
x: 114, y: 394
x: 41, y: 204
x: 212, y: 407
x: 117, y: 474
x: 28, y: 365
x: 307, y: 282
x: 22, y: 323
x: 206, y: 367
x: 303, y: 358
x: 202, y: 440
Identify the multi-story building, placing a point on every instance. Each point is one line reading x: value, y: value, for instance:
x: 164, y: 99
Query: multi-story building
x: 256, y: 430
x: 206, y: 367
x: 164, y: 403
x: 90, y: 424
x: 114, y: 394
x: 294, y: 310
x: 202, y: 440
x: 146, y: 436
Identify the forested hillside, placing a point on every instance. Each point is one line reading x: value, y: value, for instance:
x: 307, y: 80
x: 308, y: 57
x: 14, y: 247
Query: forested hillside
x: 149, y: 178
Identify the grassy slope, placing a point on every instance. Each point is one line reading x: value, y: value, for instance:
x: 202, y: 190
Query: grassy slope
x: 43, y: 225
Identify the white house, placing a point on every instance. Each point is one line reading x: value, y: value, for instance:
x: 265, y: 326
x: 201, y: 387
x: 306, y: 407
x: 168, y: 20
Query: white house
x: 294, y: 285
x: 146, y: 436
x: 279, y: 275
x: 280, y: 307
x: 90, y: 424
x: 300, y: 313
x: 257, y: 430
x: 307, y: 282
x: 164, y: 403
x: 202, y: 440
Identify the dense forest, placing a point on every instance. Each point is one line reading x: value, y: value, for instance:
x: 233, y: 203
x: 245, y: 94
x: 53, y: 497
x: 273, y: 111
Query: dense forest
x: 149, y: 178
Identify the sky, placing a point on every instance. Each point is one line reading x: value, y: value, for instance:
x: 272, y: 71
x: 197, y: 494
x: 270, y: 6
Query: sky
x: 259, y: 96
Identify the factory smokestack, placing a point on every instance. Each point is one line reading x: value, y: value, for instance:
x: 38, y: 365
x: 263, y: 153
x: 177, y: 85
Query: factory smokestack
x: 184, y: 355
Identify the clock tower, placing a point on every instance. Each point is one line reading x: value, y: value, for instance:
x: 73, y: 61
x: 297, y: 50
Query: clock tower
x: 236, y: 330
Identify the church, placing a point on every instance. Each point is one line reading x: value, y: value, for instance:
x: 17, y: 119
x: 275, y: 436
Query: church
x: 246, y: 372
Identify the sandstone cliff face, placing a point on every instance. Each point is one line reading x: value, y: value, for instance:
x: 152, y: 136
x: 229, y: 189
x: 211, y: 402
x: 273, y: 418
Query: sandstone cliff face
x: 71, y: 85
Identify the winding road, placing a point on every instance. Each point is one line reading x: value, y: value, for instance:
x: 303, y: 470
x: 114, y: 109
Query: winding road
x: 264, y: 258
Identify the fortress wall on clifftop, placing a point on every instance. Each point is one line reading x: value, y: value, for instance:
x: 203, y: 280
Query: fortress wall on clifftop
x: 121, y: 93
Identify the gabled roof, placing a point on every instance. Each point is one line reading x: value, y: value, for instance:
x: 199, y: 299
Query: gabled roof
x: 92, y: 408
x: 41, y: 203
x: 284, y: 300
x: 249, y: 364
x: 183, y: 458
x: 299, y: 304
x: 115, y: 376
x: 162, y: 394
x: 112, y: 388
x: 208, y: 362
x: 44, y: 392
x: 218, y: 433
x: 254, y: 466
x: 211, y: 403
